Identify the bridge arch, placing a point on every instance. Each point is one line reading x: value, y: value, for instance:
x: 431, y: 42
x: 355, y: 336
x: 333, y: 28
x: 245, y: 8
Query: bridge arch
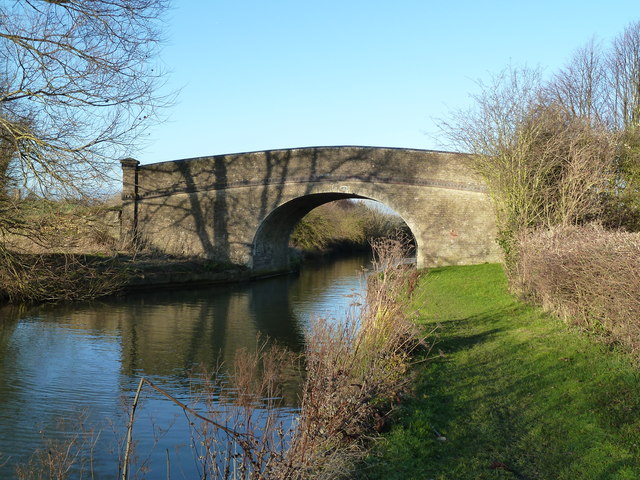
x: 241, y: 208
x: 271, y: 242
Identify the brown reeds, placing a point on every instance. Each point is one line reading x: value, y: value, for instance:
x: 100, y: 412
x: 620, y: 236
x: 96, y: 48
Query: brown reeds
x: 587, y: 275
x: 356, y: 371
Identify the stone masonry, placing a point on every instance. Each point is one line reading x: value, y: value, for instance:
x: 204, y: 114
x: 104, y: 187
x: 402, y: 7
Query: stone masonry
x: 241, y: 208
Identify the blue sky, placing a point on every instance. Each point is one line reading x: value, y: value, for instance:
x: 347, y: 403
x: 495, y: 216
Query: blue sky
x: 258, y: 75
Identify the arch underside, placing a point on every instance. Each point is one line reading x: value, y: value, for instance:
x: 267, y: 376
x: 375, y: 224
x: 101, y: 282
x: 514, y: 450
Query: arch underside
x: 271, y: 243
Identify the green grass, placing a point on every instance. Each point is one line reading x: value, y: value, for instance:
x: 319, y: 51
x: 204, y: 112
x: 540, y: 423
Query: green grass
x: 516, y: 393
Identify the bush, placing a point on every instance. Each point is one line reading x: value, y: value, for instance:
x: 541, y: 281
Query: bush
x: 58, y: 250
x: 57, y: 277
x: 587, y: 275
x: 355, y: 372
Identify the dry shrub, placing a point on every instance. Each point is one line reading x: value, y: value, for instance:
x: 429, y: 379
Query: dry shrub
x: 586, y: 274
x: 57, y: 277
x: 542, y: 165
x: 43, y: 252
x: 356, y: 371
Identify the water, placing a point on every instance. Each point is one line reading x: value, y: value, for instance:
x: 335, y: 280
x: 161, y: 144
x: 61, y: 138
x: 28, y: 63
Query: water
x: 66, y: 363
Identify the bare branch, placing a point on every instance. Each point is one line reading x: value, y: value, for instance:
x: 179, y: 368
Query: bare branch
x: 78, y: 85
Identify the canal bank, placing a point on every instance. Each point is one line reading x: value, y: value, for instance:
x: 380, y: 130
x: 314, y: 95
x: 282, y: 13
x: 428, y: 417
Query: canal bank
x: 148, y: 273
x: 66, y: 277
x: 510, y: 392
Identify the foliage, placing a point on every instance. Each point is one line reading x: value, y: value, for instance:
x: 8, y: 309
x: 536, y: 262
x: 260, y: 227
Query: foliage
x: 315, y: 231
x: 603, y: 85
x: 622, y: 200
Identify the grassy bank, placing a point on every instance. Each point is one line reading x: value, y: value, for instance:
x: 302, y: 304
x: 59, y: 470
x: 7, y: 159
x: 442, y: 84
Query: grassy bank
x: 514, y: 393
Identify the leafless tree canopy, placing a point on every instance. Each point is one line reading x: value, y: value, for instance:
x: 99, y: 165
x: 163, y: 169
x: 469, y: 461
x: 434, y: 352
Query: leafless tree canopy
x: 77, y: 82
x: 581, y: 85
x: 563, y: 150
x: 603, y: 83
x: 623, y: 65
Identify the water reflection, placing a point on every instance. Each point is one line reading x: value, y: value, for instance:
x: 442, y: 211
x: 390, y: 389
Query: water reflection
x: 58, y: 360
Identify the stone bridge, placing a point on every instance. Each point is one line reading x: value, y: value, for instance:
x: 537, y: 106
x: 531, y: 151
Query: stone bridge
x: 242, y: 208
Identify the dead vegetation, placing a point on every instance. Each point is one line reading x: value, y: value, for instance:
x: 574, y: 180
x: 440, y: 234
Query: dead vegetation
x: 60, y: 250
x: 588, y: 275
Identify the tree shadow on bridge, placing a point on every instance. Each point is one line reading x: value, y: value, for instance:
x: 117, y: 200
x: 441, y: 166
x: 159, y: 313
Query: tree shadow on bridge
x: 219, y: 244
x: 233, y: 202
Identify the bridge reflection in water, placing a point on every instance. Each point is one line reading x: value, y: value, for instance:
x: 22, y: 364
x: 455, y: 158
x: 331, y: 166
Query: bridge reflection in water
x: 58, y: 360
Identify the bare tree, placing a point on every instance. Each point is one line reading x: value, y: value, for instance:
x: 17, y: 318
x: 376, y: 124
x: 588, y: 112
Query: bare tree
x: 489, y: 125
x: 581, y: 85
x: 623, y: 68
x: 77, y: 84
x: 542, y: 164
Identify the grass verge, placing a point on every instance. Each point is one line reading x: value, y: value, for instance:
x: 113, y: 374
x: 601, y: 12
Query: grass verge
x: 515, y: 393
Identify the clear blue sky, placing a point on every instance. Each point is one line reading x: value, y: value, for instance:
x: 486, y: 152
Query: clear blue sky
x: 258, y: 75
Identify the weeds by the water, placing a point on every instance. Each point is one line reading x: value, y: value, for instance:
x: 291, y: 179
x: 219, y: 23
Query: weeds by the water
x: 356, y: 371
x: 61, y: 459
x: 238, y: 430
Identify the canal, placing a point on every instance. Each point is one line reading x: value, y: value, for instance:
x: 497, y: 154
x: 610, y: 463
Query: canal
x: 71, y: 369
